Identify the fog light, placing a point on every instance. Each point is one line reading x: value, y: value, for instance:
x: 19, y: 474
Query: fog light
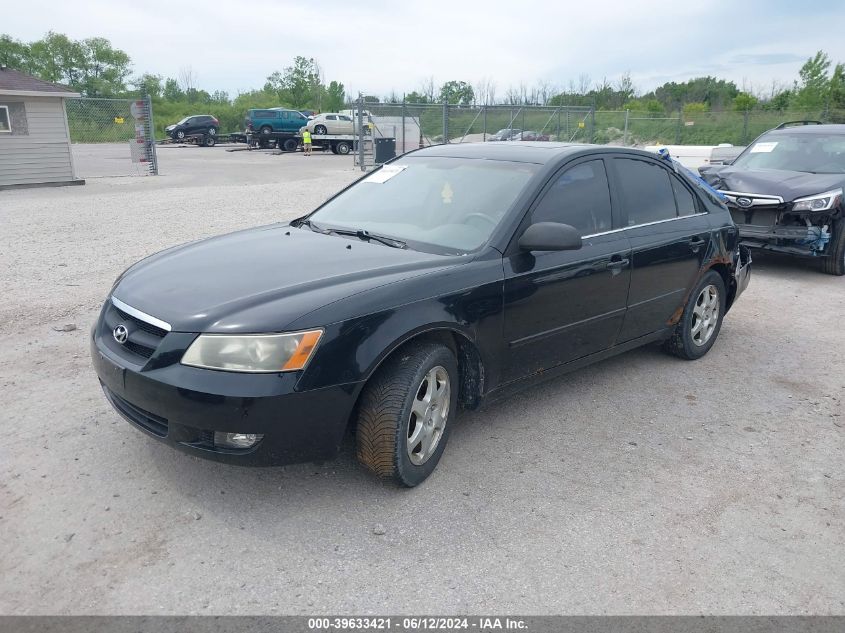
x: 236, y: 440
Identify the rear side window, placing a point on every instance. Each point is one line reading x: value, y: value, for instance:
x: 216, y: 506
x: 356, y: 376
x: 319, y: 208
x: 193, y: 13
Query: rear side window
x: 580, y: 197
x: 645, y: 190
x: 331, y: 117
x: 264, y: 114
x: 683, y: 198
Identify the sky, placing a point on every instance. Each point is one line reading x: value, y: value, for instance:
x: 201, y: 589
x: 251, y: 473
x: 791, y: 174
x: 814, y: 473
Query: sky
x: 381, y: 46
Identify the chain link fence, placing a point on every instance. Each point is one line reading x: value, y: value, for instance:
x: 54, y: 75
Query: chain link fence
x: 419, y: 125
x: 112, y: 137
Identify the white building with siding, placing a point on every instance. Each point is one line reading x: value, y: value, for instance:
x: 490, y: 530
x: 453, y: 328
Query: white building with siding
x: 34, y: 136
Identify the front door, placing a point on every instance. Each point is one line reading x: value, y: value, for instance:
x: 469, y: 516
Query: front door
x: 560, y: 306
x: 669, y: 238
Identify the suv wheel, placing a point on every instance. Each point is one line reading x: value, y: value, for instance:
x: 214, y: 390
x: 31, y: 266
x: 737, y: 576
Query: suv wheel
x: 406, y: 412
x: 701, y: 321
x: 266, y: 129
x: 834, y: 264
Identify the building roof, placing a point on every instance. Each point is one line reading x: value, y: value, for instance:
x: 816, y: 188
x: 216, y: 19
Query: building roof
x: 16, y: 82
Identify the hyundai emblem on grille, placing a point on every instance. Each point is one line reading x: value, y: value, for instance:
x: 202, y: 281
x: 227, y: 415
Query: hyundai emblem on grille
x: 120, y: 334
x: 744, y: 202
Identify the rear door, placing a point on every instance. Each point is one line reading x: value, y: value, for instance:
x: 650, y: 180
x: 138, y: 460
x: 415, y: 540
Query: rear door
x: 560, y: 306
x: 670, y: 236
x: 345, y: 124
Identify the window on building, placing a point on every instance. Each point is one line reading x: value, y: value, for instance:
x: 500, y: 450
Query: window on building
x: 5, y: 121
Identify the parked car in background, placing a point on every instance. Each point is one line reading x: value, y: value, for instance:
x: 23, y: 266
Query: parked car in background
x: 331, y: 123
x: 529, y: 135
x: 194, y: 124
x: 449, y: 275
x: 785, y: 192
x: 275, y: 120
x: 504, y: 134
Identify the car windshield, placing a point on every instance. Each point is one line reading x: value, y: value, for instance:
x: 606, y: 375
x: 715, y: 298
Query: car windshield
x: 801, y: 151
x: 436, y: 204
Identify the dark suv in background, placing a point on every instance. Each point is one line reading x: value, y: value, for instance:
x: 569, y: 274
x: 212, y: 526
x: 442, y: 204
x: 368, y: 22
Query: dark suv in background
x: 195, y: 124
x: 785, y: 192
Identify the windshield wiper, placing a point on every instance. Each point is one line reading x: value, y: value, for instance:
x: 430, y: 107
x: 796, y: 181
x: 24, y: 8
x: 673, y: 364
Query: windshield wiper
x: 363, y: 234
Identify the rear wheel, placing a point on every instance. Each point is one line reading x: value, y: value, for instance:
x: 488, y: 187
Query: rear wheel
x: 343, y: 147
x: 701, y: 321
x: 834, y: 264
x: 212, y: 131
x: 406, y: 412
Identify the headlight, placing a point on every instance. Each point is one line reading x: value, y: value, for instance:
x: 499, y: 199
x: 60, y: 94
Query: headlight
x: 819, y: 202
x: 254, y: 353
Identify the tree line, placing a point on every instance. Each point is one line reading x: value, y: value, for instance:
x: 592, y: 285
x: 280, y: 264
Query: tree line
x: 95, y: 68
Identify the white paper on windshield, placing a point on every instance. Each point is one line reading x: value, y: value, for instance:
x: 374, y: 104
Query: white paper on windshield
x: 385, y: 173
x: 763, y: 147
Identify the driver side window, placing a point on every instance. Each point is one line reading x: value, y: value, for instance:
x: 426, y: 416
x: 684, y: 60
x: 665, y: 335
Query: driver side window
x: 580, y: 197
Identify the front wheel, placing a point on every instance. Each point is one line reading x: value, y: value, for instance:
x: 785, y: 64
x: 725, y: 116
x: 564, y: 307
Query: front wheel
x: 320, y: 129
x: 701, y: 321
x: 406, y: 411
x: 834, y: 264
x: 266, y: 129
x: 180, y: 134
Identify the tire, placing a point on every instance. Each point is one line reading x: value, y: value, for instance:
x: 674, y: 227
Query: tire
x: 395, y: 404
x: 343, y: 147
x: 834, y: 264
x: 212, y: 131
x: 266, y: 129
x: 179, y: 134
x: 701, y: 321
x: 320, y: 129
x: 210, y: 141
x: 290, y: 145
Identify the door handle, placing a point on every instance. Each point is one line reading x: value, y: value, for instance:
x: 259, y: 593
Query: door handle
x: 617, y: 264
x: 696, y: 243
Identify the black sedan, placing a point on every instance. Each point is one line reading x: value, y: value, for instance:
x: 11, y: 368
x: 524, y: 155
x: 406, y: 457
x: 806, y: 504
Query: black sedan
x: 449, y: 275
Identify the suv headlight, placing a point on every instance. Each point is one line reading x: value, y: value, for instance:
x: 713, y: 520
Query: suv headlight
x: 819, y: 202
x: 253, y: 353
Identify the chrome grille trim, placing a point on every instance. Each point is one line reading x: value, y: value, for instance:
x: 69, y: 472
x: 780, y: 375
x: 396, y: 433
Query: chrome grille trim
x: 757, y: 199
x: 141, y: 316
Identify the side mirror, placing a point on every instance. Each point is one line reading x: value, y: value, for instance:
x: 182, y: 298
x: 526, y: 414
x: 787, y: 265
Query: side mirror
x: 550, y: 236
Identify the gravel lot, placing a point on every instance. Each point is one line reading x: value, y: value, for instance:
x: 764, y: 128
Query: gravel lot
x: 643, y: 484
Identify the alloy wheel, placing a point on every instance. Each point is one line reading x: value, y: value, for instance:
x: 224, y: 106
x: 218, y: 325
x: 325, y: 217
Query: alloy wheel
x: 705, y: 315
x: 429, y: 414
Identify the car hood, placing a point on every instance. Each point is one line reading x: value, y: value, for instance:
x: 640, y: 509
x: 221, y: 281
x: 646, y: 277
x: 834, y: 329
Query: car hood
x: 789, y: 185
x: 262, y: 279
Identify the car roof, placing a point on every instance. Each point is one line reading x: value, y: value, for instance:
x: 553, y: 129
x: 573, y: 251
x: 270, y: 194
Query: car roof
x: 538, y: 152
x: 827, y: 128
